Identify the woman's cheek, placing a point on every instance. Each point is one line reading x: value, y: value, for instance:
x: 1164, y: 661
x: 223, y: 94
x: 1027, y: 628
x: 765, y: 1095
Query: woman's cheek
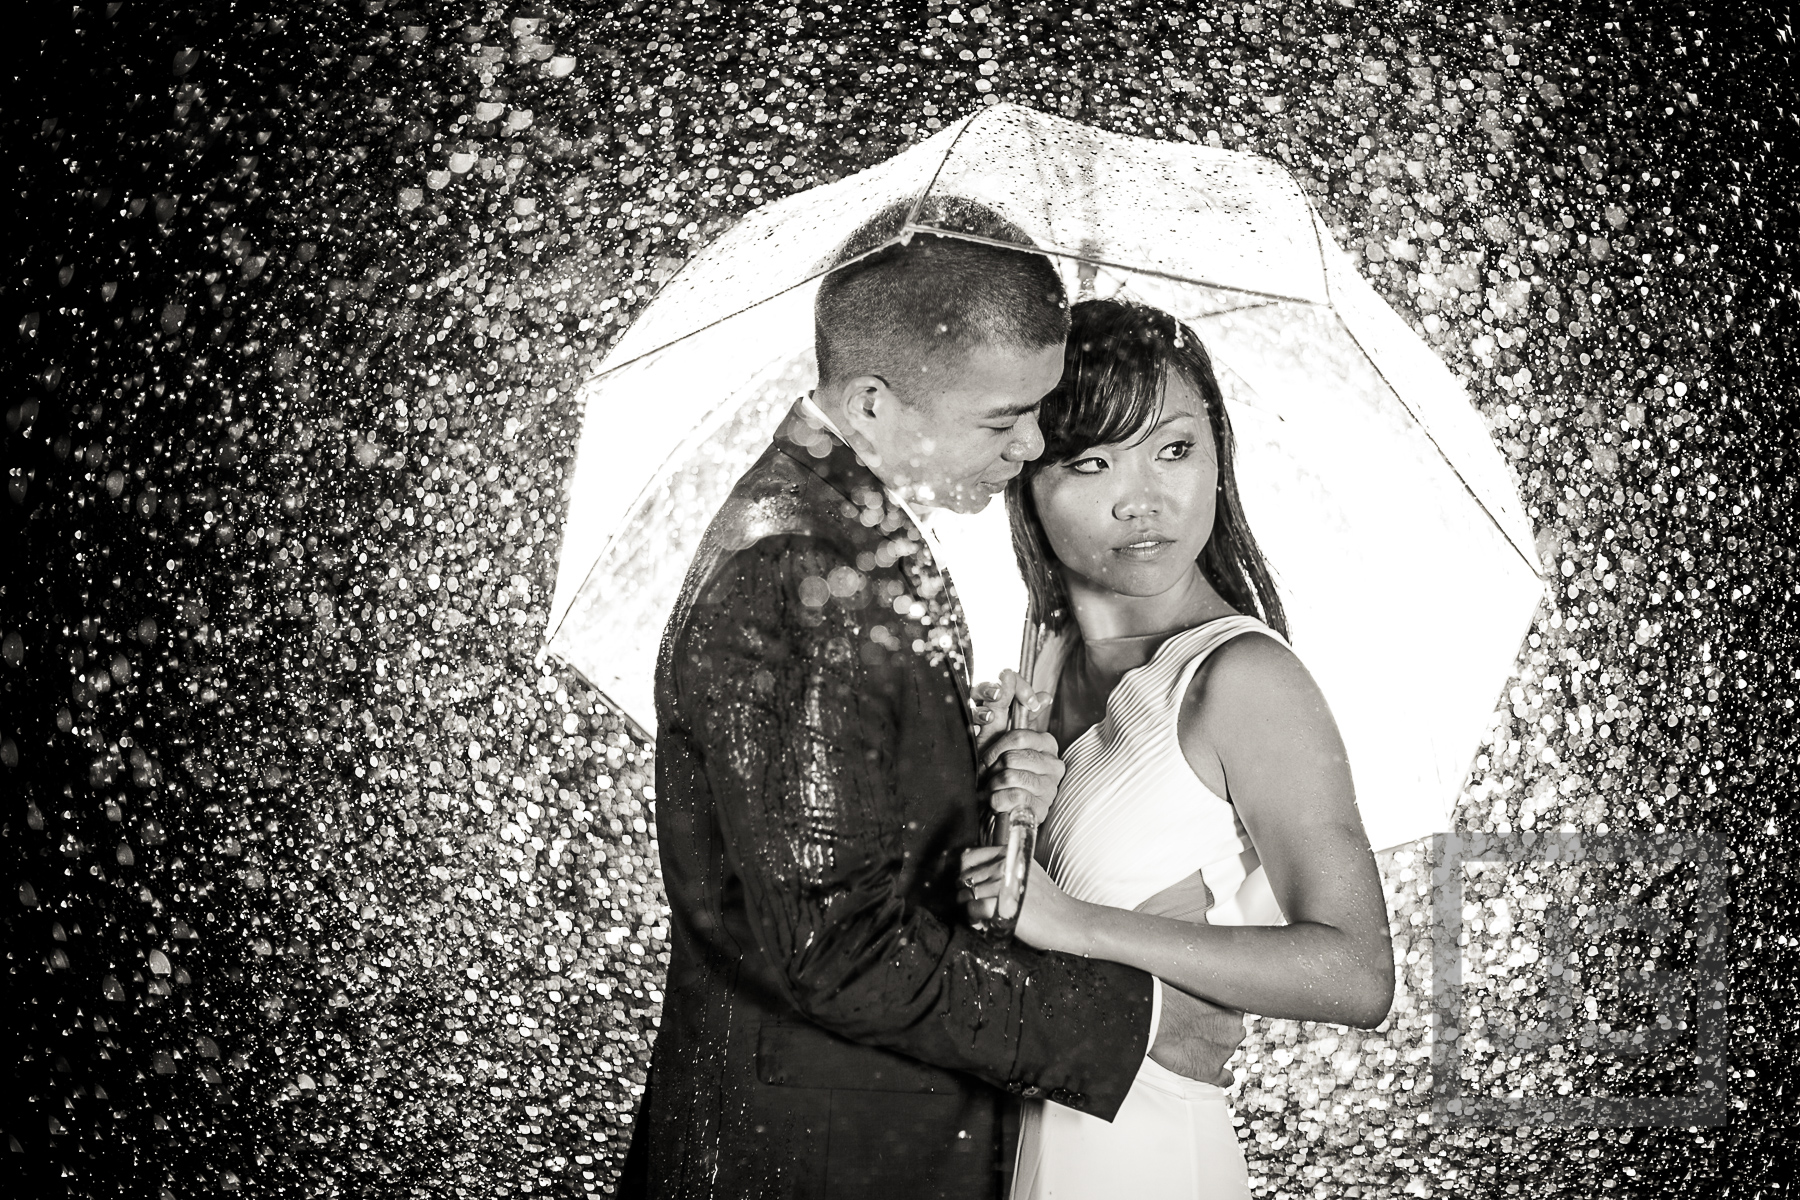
x: 1070, y: 526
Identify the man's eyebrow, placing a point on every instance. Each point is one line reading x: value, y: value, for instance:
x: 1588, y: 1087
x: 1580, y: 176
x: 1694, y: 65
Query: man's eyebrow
x: 1011, y: 410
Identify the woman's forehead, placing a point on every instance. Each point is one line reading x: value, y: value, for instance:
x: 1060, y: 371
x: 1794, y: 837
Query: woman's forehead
x: 1180, y: 404
x: 1181, y: 397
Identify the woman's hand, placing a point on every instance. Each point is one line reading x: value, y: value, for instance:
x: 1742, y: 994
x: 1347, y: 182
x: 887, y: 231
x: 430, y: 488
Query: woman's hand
x: 1049, y: 920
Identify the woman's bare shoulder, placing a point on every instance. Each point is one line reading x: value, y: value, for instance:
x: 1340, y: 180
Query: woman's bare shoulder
x: 1255, y: 661
x: 1250, y: 681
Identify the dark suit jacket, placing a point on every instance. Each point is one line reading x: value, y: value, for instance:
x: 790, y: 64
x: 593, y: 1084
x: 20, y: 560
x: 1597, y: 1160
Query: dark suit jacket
x: 830, y: 1026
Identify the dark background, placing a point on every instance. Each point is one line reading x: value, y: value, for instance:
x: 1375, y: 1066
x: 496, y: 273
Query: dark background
x: 319, y: 884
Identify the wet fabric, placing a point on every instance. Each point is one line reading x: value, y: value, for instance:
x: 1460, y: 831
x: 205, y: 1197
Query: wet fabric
x: 831, y: 1027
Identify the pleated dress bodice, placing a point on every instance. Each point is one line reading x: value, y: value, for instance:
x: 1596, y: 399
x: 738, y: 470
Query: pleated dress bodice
x: 1133, y: 819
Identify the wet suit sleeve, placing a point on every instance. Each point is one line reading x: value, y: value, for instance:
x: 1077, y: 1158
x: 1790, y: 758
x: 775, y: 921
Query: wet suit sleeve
x: 793, y: 706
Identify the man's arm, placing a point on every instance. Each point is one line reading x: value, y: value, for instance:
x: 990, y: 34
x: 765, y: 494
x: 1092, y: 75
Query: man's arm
x: 792, y: 706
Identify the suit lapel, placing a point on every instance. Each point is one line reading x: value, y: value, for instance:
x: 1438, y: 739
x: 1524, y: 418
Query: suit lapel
x: 867, y: 504
x: 950, y: 616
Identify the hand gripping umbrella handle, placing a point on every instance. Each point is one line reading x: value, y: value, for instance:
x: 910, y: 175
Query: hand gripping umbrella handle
x: 1016, y: 830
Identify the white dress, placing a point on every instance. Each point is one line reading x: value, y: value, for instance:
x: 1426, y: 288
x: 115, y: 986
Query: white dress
x: 1131, y: 820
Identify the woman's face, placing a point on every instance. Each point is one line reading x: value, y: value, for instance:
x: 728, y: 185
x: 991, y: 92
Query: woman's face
x: 1133, y: 518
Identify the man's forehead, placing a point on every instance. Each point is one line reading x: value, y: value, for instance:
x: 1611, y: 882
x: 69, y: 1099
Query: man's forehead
x: 1011, y: 366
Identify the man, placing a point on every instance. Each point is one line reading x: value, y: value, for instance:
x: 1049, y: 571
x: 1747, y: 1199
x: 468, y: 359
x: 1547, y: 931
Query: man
x: 830, y: 1028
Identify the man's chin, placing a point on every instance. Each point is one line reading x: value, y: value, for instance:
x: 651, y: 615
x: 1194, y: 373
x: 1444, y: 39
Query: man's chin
x: 969, y: 502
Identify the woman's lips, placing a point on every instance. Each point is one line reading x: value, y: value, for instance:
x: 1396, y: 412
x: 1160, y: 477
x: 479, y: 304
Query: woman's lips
x: 1144, y: 549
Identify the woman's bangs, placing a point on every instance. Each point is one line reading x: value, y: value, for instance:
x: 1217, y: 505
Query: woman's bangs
x: 1112, y: 396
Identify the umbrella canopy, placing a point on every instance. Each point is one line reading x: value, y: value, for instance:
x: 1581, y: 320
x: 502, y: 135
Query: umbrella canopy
x: 1391, y: 522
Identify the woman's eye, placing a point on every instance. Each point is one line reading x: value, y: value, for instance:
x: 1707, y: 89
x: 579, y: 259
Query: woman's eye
x: 1176, y: 451
x: 1088, y: 466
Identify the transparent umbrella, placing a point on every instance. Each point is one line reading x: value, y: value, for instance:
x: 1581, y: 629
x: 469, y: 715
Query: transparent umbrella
x: 1393, y: 525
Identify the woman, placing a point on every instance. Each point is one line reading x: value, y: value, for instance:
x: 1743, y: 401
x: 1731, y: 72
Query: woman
x: 1207, y: 795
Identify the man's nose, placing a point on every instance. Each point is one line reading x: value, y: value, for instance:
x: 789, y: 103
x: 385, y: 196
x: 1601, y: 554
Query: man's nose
x: 1027, y: 442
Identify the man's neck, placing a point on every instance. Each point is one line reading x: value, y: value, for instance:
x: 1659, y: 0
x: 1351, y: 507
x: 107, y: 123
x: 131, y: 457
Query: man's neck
x: 865, y: 450
x: 921, y: 514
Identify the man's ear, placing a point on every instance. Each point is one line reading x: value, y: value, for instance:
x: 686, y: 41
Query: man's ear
x: 865, y: 401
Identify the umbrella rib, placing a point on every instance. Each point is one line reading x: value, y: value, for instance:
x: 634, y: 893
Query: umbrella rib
x: 910, y: 226
x: 1117, y: 266
x: 1319, y: 245
x: 735, y: 313
x: 659, y: 477
x: 907, y: 229
x: 658, y: 349
x: 1325, y: 275
x: 645, y: 735
x: 1486, y: 511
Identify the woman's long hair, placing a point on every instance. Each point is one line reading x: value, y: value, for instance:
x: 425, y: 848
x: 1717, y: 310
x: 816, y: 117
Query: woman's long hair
x: 1119, y: 355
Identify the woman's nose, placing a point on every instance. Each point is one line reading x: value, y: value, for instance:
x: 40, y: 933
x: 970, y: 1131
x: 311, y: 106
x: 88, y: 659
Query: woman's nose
x: 1137, y: 501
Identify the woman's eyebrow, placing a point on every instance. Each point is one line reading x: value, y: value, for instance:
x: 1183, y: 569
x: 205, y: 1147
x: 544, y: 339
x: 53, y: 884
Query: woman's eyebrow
x: 1167, y: 417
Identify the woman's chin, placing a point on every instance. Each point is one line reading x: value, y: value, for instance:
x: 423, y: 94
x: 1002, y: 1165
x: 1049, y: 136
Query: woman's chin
x: 1141, y: 580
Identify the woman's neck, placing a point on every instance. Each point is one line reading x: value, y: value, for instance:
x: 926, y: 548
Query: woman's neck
x: 1104, y: 615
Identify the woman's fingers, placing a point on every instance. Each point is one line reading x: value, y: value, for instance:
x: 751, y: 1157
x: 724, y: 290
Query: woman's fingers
x: 982, y: 874
x: 975, y: 856
x: 982, y: 870
x: 986, y: 890
x: 977, y: 876
x: 1037, y: 761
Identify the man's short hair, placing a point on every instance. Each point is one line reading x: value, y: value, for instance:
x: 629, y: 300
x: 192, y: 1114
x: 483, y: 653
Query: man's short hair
x: 934, y: 295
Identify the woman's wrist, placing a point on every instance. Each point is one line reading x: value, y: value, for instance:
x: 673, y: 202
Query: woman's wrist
x: 1079, y: 933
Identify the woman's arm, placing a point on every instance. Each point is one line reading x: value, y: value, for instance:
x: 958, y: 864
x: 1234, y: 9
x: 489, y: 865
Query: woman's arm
x: 1256, y: 728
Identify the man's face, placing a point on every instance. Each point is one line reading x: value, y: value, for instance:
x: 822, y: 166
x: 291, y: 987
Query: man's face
x: 966, y: 427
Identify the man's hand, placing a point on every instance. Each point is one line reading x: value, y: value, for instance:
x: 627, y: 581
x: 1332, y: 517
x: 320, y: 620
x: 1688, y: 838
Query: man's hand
x: 1021, y: 769
x: 1196, y: 1037
x: 991, y: 706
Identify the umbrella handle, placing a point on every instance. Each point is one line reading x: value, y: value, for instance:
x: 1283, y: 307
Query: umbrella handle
x: 1015, y: 830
